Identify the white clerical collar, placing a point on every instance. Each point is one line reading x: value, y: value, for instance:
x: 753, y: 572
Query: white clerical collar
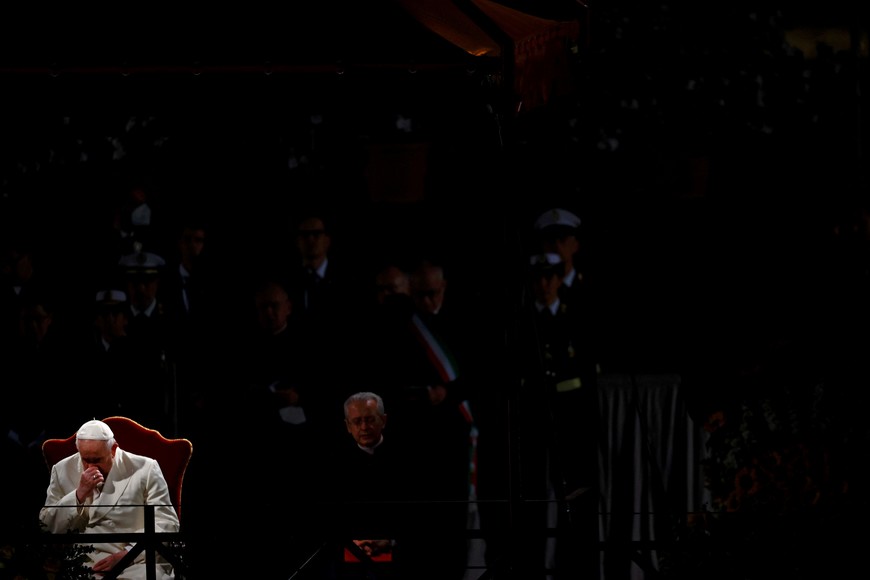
x: 371, y: 450
x: 570, y: 278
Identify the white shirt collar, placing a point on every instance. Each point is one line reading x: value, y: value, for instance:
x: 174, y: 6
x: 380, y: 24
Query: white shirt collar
x: 148, y: 311
x: 554, y: 307
x: 321, y: 270
x: 371, y: 450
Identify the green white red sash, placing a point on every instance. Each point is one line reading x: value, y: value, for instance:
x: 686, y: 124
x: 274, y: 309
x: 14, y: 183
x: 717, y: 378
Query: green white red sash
x: 465, y: 409
x: 440, y: 357
x: 437, y: 353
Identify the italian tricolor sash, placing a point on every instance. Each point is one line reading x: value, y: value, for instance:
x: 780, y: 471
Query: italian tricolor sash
x: 465, y: 409
x: 441, y: 358
x: 437, y: 353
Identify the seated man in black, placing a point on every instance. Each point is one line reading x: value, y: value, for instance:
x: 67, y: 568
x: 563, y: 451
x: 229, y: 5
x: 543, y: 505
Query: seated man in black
x: 366, y: 482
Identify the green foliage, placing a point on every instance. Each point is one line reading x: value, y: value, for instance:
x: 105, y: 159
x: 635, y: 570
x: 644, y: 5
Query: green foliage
x: 782, y: 490
x: 45, y: 561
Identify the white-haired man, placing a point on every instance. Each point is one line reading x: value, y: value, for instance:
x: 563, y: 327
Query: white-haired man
x: 101, y: 489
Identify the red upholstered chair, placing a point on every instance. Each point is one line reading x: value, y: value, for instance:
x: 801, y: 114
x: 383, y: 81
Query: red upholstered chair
x: 173, y: 455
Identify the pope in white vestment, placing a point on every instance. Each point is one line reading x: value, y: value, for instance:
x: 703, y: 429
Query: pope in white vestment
x: 102, y: 489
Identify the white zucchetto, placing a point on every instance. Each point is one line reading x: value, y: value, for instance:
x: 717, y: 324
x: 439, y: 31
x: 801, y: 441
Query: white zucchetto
x: 95, y: 430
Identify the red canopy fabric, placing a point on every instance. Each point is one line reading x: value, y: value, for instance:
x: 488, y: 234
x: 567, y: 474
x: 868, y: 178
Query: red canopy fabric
x: 541, y: 50
x: 532, y: 53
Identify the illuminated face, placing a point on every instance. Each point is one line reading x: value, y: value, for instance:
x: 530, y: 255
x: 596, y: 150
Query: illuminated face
x: 566, y: 246
x: 142, y: 290
x: 427, y: 289
x: 364, y: 423
x: 191, y: 244
x: 390, y: 281
x: 273, y: 308
x: 34, y: 322
x: 312, y: 241
x: 24, y: 267
x: 97, y: 453
x: 112, y: 323
x: 545, y: 286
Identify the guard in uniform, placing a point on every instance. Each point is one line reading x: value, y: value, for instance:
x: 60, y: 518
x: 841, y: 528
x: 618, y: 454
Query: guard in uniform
x: 558, y: 418
x: 147, y: 328
x: 557, y: 231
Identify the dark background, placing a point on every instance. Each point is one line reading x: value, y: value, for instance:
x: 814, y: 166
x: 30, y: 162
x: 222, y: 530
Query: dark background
x: 718, y: 169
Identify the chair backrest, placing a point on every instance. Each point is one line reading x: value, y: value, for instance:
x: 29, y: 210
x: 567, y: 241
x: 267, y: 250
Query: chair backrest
x: 173, y: 455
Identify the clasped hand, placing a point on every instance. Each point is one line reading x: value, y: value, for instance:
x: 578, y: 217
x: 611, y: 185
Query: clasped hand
x: 109, y: 561
x: 374, y: 547
x: 91, y: 479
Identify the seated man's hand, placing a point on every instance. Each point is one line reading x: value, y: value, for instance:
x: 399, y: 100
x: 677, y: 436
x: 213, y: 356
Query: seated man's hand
x: 374, y: 547
x: 109, y: 562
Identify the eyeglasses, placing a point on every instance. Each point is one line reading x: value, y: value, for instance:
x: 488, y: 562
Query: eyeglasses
x: 547, y: 274
x: 368, y: 420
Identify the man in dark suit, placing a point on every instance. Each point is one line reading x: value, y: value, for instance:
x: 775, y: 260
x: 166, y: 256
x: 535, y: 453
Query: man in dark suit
x: 194, y: 323
x: 326, y: 299
x: 182, y: 284
x: 321, y: 284
x: 422, y: 363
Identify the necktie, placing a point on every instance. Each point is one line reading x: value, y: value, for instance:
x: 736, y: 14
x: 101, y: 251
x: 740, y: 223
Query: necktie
x: 311, y: 284
x: 185, y: 281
